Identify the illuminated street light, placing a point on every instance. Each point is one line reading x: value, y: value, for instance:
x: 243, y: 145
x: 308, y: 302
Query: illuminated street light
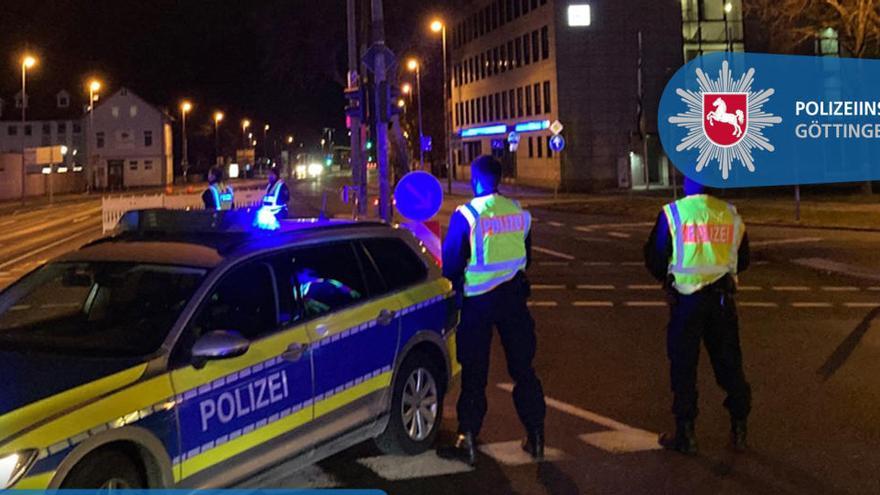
x: 218, y: 117
x: 289, y: 139
x: 245, y: 124
x: 437, y: 25
x: 94, y: 87
x: 728, y: 7
x: 401, y: 103
x: 27, y: 62
x: 412, y: 65
x: 185, y: 108
x: 406, y: 88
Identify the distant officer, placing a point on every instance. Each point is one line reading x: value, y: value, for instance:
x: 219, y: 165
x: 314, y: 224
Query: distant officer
x: 486, y: 252
x: 697, y: 248
x: 277, y: 195
x: 218, y: 196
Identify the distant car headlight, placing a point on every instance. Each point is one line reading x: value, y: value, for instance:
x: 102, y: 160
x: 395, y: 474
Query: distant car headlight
x: 14, y: 466
x: 315, y: 169
x: 301, y: 170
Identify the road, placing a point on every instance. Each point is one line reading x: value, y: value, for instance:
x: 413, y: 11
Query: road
x: 811, y: 344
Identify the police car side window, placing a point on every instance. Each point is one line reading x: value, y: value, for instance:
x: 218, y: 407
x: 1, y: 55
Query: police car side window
x: 244, y: 301
x: 327, y: 278
x: 397, y: 264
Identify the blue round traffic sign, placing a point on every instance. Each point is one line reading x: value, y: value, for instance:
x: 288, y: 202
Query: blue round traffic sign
x: 557, y: 143
x: 419, y: 196
x: 513, y: 138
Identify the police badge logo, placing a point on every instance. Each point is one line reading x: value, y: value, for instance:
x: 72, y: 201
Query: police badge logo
x: 725, y: 120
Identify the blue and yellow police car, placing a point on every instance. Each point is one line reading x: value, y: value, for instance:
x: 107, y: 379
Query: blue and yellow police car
x: 191, y: 350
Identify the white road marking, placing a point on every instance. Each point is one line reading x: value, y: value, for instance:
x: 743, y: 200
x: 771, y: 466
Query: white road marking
x: 752, y: 304
x: 644, y: 287
x: 632, y: 263
x: 628, y: 439
x: 593, y: 304
x: 543, y: 304
x: 426, y: 465
x: 790, y: 288
x: 811, y: 305
x: 20, y: 307
x: 840, y: 289
x: 81, y: 219
x: 595, y: 287
x: 776, y: 242
x: 622, y: 441
x: 8, y: 222
x: 46, y: 247
x: 581, y: 228
x: 837, y: 267
x: 749, y: 288
x: 619, y: 235
x: 861, y: 305
x: 553, y: 263
x: 645, y: 304
x: 556, y: 224
x: 553, y: 253
x: 874, y: 289
x: 547, y: 287
x: 511, y: 453
x: 597, y: 263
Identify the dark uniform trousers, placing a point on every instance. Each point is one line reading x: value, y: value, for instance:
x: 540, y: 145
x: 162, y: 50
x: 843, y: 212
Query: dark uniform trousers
x: 506, y: 308
x: 708, y: 315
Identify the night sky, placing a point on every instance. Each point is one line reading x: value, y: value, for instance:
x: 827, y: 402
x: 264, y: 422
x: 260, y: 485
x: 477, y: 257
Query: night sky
x: 276, y: 61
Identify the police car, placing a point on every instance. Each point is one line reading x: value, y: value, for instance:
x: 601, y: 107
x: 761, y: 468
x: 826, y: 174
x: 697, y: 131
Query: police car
x: 191, y: 350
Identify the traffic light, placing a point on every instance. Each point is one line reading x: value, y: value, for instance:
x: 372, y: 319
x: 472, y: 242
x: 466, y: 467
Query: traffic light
x: 394, y: 98
x: 355, y: 106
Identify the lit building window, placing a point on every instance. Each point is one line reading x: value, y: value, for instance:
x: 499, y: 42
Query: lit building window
x: 711, y: 26
x: 579, y: 15
x: 828, y: 43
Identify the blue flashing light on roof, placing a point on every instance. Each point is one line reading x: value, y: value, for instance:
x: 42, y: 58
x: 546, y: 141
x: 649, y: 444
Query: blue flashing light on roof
x: 532, y: 126
x: 489, y: 130
x: 266, y: 219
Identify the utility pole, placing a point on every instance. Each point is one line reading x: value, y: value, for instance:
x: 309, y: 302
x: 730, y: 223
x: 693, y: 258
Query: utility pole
x: 381, y: 110
x: 358, y: 165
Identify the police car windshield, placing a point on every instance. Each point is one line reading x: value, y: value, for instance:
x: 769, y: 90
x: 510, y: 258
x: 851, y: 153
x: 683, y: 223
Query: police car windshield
x: 95, y: 308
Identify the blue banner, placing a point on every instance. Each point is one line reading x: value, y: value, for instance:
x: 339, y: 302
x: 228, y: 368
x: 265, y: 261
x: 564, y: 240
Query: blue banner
x: 733, y: 120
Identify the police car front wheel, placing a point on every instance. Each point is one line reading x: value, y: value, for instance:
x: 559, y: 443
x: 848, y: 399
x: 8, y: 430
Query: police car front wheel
x: 416, y: 408
x: 106, y: 469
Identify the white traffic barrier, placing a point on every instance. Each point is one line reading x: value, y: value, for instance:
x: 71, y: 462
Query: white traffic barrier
x: 113, y: 207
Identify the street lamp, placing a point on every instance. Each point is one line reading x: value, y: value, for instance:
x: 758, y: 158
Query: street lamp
x: 414, y: 66
x: 185, y: 108
x: 218, y: 117
x: 438, y: 26
x: 266, y: 141
x: 406, y: 88
x: 27, y: 62
x: 94, y: 87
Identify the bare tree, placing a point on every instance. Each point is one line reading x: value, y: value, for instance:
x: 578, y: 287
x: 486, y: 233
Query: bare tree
x: 794, y: 22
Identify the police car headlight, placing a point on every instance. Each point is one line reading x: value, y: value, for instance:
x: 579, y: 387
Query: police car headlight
x: 14, y: 466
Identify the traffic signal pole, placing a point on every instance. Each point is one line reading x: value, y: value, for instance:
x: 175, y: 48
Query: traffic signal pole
x: 382, y: 111
x: 358, y: 164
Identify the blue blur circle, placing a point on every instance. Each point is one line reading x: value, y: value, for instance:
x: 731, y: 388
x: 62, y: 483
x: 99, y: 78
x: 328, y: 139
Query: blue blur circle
x: 557, y: 143
x: 419, y: 196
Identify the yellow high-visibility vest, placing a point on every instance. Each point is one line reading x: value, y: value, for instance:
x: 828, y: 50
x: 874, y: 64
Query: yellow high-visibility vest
x: 706, y: 235
x: 498, y: 230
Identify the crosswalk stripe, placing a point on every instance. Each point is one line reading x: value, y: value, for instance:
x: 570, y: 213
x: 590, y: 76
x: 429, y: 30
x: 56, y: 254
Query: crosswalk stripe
x: 622, y: 441
x: 511, y: 453
x: 595, y: 287
x: 426, y: 465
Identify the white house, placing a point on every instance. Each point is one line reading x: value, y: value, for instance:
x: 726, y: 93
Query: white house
x: 130, y: 142
x: 53, y: 118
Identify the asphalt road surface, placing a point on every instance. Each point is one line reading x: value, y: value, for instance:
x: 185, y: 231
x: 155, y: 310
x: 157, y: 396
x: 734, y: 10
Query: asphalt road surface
x: 811, y: 342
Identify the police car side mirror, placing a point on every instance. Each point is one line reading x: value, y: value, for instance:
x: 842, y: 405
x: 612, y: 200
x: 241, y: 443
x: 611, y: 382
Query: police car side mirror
x: 219, y: 344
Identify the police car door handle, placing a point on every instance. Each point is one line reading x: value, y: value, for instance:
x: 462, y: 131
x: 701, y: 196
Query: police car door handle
x: 385, y: 317
x: 294, y: 352
x: 322, y: 330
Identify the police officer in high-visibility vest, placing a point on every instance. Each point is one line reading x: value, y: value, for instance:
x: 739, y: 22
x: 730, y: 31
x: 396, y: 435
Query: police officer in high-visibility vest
x: 697, y: 248
x: 277, y: 196
x: 485, y: 254
x: 218, y: 196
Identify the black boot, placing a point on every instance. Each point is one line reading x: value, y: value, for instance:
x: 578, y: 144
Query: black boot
x: 534, y: 444
x: 684, y: 440
x: 464, y: 449
x: 738, y: 432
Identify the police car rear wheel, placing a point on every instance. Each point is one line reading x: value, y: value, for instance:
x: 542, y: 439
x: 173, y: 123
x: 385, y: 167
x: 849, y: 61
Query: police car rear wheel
x: 416, y: 408
x: 108, y: 469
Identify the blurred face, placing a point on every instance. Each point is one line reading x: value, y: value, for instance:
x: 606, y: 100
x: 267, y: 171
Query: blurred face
x: 211, y: 177
x: 272, y: 177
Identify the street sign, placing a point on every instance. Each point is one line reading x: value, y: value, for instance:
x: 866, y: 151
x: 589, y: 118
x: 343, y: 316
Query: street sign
x: 45, y: 155
x: 369, y: 58
x: 419, y: 196
x: 556, y: 127
x: 513, y: 138
x: 557, y: 143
